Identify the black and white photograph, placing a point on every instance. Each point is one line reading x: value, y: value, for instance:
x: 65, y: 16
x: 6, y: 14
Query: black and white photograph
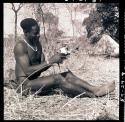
x: 61, y: 61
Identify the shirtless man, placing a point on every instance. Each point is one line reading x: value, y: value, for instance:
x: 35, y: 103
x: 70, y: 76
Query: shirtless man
x: 30, y: 58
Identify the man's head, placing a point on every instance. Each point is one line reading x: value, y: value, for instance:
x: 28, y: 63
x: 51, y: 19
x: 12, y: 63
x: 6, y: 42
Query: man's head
x: 30, y: 28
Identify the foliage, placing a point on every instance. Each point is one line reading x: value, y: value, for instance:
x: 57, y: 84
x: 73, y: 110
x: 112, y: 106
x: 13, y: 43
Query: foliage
x: 109, y: 13
x: 93, y: 26
x: 52, y: 21
x: 105, y: 19
x: 50, y: 18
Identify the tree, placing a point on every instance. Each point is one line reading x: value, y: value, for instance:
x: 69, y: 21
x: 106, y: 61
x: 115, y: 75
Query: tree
x: 49, y: 23
x: 109, y: 13
x: 105, y: 19
x: 94, y: 26
x: 16, y: 10
x: 70, y: 10
x: 40, y: 14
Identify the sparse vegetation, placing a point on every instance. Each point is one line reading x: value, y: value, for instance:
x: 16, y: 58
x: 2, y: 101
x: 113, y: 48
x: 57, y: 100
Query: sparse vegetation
x: 95, y: 69
x: 51, y: 107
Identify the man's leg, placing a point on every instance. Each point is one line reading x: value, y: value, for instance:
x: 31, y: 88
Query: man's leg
x: 83, y: 85
x: 44, y: 84
x: 48, y: 83
x: 69, y: 83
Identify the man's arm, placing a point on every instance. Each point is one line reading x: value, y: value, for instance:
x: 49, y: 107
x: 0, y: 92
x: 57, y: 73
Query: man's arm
x: 22, y: 59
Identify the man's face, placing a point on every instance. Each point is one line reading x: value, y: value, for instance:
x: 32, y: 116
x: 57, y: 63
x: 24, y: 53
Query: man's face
x: 34, y: 34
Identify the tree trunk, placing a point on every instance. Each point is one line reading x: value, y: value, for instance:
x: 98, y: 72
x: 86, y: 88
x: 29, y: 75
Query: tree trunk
x: 15, y: 26
x: 44, y: 25
x: 16, y: 12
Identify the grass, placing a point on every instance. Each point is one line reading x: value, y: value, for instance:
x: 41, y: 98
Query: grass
x: 96, y: 70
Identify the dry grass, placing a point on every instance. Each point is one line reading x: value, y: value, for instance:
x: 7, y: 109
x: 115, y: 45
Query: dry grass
x: 95, y: 70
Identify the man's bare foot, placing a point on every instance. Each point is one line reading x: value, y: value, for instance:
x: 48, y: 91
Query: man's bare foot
x: 104, y: 89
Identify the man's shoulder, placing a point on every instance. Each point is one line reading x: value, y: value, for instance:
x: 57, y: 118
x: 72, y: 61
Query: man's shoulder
x: 20, y: 47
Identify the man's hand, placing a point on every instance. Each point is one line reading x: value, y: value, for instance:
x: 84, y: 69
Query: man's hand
x: 57, y: 58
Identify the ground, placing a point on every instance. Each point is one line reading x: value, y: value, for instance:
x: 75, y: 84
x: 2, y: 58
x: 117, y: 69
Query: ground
x: 96, y: 70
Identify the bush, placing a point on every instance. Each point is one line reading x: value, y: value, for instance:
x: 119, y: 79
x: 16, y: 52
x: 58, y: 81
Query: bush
x: 109, y: 13
x: 105, y: 19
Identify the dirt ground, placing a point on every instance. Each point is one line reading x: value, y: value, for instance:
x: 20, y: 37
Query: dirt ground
x: 96, y: 70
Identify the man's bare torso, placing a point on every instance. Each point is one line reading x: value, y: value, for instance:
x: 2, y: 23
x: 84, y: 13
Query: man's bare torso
x: 33, y: 57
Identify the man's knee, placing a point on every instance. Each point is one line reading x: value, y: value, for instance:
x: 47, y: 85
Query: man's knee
x: 59, y: 79
x: 68, y: 75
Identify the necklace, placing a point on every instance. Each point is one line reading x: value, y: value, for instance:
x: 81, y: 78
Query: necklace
x: 30, y: 46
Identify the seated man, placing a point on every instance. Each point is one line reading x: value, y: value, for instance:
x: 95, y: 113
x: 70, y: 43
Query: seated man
x: 30, y: 63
